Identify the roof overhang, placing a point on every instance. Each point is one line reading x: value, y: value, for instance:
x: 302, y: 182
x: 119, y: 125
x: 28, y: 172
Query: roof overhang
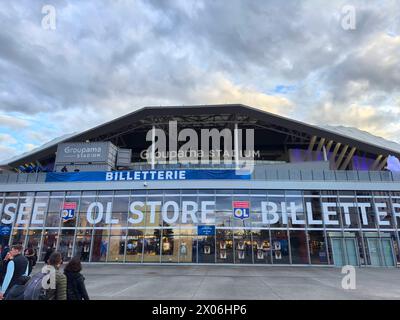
x: 197, y: 110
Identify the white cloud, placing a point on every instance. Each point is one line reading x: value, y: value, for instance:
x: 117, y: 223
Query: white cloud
x: 102, y: 62
x: 220, y: 90
x: 12, y: 122
x: 7, y: 139
x: 7, y: 152
x: 30, y: 146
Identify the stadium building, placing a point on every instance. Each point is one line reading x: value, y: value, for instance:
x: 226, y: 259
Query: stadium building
x: 155, y: 186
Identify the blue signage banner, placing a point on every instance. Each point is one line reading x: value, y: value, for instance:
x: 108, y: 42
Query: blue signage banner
x: 5, y: 230
x: 206, y: 230
x: 149, y: 175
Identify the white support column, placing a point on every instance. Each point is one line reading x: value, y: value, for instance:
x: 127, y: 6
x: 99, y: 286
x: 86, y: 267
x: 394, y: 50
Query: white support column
x: 153, y: 147
x: 236, y: 143
x: 324, y: 153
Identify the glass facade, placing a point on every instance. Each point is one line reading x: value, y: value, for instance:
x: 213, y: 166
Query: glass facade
x: 160, y: 226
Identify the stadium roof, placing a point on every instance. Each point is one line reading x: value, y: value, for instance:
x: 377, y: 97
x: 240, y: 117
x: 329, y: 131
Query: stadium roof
x: 344, y: 135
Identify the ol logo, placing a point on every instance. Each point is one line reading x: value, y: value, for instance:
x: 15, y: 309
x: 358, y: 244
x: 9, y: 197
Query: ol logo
x: 68, y: 211
x: 241, y: 209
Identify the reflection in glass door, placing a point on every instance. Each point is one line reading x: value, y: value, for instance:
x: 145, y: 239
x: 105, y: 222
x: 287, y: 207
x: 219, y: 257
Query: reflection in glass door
x: 134, y: 245
x: 187, y: 246
x: 344, y: 251
x: 337, y: 251
x: 373, y: 251
x: 243, y: 248
x: 206, y: 249
x: 261, y: 246
x: 388, y: 252
x: 224, y: 246
x: 352, y: 254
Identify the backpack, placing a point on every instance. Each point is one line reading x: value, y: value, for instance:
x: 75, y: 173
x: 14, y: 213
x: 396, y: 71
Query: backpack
x: 16, y: 292
x: 34, y: 290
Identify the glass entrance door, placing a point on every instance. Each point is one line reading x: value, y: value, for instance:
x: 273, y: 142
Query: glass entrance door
x: 352, y: 253
x: 373, y: 251
x: 388, y: 252
x: 337, y: 251
x: 344, y: 251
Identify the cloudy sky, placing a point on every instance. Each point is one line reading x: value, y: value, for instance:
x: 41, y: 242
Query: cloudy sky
x: 107, y: 58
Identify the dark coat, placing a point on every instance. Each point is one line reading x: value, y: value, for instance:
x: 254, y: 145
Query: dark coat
x: 4, y: 252
x: 76, y: 289
x: 49, y: 251
x: 17, y: 291
x: 3, y: 269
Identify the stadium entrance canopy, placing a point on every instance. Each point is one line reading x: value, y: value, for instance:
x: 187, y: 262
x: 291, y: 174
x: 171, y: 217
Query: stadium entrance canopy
x: 277, y: 138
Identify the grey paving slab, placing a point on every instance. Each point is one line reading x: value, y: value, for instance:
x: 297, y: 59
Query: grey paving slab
x: 209, y: 282
x: 237, y: 288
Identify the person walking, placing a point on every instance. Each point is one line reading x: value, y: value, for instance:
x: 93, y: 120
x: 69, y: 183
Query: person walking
x: 76, y: 289
x: 30, y: 255
x: 3, y: 266
x: 17, y: 267
x: 49, y: 251
x: 60, y: 291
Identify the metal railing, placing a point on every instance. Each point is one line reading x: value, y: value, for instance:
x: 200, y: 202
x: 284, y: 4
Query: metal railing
x: 260, y: 172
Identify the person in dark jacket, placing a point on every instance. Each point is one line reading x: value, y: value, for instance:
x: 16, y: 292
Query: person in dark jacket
x: 4, y: 251
x: 30, y: 255
x: 49, y: 251
x: 76, y: 289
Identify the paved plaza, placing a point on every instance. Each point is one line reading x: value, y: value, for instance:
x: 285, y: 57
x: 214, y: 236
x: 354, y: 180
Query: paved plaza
x: 150, y: 282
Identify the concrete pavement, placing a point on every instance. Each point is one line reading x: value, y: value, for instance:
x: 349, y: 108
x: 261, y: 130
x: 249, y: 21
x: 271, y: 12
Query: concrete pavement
x: 150, y: 282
